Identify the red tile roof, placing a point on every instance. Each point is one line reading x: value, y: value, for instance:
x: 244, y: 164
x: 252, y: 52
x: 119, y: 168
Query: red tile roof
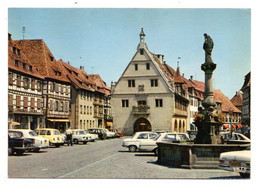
x: 41, y: 57
x: 237, y: 100
x: 24, y: 65
x: 100, y: 84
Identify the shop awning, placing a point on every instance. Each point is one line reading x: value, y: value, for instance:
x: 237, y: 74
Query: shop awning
x: 59, y: 120
x: 226, y: 125
x: 15, y: 123
x: 233, y: 126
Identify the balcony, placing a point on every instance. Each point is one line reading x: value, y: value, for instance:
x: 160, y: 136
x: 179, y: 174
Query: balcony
x: 141, y: 110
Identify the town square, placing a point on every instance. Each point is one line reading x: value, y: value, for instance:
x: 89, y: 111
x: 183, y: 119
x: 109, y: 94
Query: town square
x: 129, y: 93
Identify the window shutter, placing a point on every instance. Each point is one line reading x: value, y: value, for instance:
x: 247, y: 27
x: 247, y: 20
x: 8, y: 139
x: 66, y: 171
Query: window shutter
x: 59, y: 105
x: 51, y: 86
x: 18, y: 81
x: 10, y: 99
x: 51, y: 105
x: 62, y: 89
x: 24, y: 82
x: 25, y: 102
x: 38, y: 103
x: 10, y: 78
x: 18, y: 101
x: 33, y: 84
x: 32, y: 102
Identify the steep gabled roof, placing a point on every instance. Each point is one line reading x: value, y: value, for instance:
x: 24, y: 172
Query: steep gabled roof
x: 100, y: 84
x: 76, y: 77
x: 247, y: 82
x: 41, y: 57
x: 24, y: 65
x: 237, y: 100
x: 226, y: 103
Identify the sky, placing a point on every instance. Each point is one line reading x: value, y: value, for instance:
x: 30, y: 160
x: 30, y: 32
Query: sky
x: 104, y: 40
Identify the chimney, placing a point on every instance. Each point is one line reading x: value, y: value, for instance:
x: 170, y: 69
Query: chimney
x: 182, y: 74
x: 191, y: 77
x: 113, y: 84
x: 160, y: 57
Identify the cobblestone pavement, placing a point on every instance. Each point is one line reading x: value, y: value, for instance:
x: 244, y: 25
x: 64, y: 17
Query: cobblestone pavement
x: 102, y: 159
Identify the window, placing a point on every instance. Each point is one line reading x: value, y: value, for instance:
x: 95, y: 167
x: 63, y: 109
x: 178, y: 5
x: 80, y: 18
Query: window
x: 25, y: 102
x: 131, y: 83
x: 125, y: 103
x: 26, y: 83
x: 147, y: 66
x: 158, y: 102
x: 18, y: 81
x: 51, y: 86
x: 39, y: 86
x: 14, y: 50
x: 142, y: 102
x: 33, y: 84
x: 24, y: 66
x: 48, y: 132
x: 154, y: 82
x: 56, y: 105
x: 18, y: 52
x: 80, y: 110
x: 32, y: 103
x: 18, y: 101
x: 10, y: 99
x: 84, y: 109
x: 51, y: 58
x: 136, y: 66
x: 142, y: 51
x: 10, y: 78
x: 142, y: 136
x: 16, y: 63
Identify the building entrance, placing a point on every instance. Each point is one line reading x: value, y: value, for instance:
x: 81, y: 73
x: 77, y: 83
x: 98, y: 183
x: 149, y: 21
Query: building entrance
x: 142, y: 124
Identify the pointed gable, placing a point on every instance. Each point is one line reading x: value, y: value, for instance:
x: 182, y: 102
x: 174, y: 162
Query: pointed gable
x: 237, y: 100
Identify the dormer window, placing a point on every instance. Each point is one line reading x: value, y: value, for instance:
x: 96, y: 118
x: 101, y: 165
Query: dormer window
x: 18, y: 52
x: 30, y: 68
x: 16, y: 63
x: 14, y: 50
x: 24, y: 66
x: 51, y: 58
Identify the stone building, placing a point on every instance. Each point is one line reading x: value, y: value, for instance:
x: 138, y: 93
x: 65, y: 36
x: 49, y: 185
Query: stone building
x: 149, y: 95
x: 24, y: 90
x: 88, y: 97
x: 56, y: 86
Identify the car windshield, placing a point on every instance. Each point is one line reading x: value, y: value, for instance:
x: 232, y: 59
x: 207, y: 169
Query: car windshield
x: 15, y: 134
x: 31, y: 133
x: 169, y: 137
x: 156, y: 138
x: 81, y: 132
x: 56, y: 132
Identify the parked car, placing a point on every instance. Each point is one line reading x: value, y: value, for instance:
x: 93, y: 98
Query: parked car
x: 134, y: 143
x: 79, y: 135
x: 91, y: 137
x: 236, y: 161
x: 39, y: 142
x: 109, y: 133
x: 234, y: 138
x: 53, y: 135
x: 151, y: 146
x: 17, y: 144
x: 100, y: 132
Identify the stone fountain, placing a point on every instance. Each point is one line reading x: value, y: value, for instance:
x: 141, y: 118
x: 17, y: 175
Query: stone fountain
x: 205, y: 151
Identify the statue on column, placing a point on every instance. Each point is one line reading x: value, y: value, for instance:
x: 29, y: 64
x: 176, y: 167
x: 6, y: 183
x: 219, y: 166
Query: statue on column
x: 208, y: 47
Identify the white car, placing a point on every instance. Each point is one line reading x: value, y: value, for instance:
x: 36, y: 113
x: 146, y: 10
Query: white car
x: 91, y: 137
x: 79, y: 135
x: 138, y: 139
x: 38, y: 142
x: 109, y: 133
x: 236, y: 161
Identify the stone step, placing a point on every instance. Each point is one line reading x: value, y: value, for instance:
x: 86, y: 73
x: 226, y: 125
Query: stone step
x: 203, y: 165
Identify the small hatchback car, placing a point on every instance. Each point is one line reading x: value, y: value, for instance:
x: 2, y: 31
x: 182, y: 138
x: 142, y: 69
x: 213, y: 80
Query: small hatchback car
x: 53, y: 135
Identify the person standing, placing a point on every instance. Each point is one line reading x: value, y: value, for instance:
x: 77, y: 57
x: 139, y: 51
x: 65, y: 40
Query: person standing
x: 69, y: 136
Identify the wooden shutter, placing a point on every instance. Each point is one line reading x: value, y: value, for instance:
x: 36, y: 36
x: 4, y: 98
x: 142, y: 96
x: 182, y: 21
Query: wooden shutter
x: 38, y: 103
x: 18, y: 101
x: 25, y: 102
x: 32, y: 102
x: 33, y: 84
x: 51, y: 105
x: 10, y: 99
x: 10, y: 78
x: 18, y: 81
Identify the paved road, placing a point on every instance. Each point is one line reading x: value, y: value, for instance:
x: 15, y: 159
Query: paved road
x: 101, y: 159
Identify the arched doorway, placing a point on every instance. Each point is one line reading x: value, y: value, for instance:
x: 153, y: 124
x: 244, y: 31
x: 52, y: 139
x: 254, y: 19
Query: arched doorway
x: 142, y: 124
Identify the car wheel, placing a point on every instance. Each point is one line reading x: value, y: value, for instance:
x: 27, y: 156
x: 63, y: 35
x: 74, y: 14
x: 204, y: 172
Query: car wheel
x: 75, y: 141
x: 36, y: 150
x: 10, y: 151
x: 244, y: 175
x: 19, y: 152
x: 156, y: 152
x: 132, y: 148
x: 84, y: 142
